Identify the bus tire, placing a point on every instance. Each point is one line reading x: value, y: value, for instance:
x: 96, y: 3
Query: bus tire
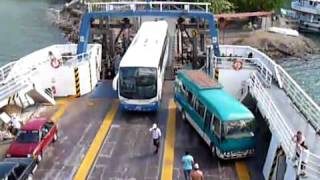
x: 183, y: 115
x: 213, y: 151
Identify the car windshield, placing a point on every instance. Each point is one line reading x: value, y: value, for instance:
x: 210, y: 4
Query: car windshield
x: 138, y: 82
x: 28, y: 136
x: 238, y: 129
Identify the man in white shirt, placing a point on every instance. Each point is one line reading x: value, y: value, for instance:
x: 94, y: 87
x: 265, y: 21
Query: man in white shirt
x: 156, y: 134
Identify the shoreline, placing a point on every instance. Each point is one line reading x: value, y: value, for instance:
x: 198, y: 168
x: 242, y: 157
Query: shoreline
x: 276, y: 46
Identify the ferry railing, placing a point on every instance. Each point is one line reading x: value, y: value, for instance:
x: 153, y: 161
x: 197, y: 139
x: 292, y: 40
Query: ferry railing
x: 312, y: 166
x: 264, y: 72
x: 276, y: 121
x: 75, y: 60
x: 301, y: 99
x: 247, y: 51
x: 282, y: 130
x: 142, y: 5
x: 5, y: 70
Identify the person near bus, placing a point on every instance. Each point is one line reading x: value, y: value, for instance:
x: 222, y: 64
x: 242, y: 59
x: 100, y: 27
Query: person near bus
x: 187, y: 161
x: 299, y: 140
x: 156, y: 134
x: 196, y: 173
x: 304, y: 159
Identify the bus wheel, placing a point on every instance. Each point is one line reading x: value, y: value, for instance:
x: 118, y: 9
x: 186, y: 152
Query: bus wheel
x: 183, y: 114
x: 213, y: 151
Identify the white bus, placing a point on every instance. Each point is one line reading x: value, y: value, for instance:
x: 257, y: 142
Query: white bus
x: 141, y: 71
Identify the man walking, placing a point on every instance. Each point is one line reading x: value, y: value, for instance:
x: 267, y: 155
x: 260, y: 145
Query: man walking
x: 187, y: 161
x: 156, y: 134
x: 196, y: 173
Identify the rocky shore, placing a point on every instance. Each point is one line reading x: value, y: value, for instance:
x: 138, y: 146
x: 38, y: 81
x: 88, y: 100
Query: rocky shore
x: 276, y: 46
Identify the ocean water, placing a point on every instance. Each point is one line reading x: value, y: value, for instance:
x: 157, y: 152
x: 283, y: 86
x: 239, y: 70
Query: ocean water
x: 25, y: 26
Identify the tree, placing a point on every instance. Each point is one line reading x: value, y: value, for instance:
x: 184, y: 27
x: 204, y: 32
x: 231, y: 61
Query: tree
x: 257, y: 5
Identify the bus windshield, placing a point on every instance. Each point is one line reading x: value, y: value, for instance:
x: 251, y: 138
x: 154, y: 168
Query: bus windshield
x: 138, y: 82
x: 238, y: 129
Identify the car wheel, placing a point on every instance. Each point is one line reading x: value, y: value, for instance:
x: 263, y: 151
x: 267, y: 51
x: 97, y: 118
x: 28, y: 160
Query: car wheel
x: 55, y: 137
x: 30, y: 177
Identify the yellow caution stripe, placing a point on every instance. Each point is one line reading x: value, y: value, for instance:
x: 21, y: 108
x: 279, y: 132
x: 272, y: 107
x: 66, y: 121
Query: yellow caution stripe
x: 168, y: 156
x: 77, y: 81
x: 63, y: 104
x: 95, y: 146
x: 242, y: 170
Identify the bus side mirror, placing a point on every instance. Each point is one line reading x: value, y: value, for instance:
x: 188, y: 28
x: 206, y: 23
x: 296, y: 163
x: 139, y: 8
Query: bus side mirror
x: 115, y: 82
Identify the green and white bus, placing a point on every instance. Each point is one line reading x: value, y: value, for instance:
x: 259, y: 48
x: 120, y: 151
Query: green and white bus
x: 225, y: 124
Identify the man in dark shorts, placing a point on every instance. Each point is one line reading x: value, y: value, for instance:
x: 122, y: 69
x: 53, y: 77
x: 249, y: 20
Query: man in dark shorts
x: 156, y: 134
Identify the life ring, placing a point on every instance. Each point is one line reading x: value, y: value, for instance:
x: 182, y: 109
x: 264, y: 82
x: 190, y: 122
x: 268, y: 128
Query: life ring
x: 237, y: 65
x: 55, y: 63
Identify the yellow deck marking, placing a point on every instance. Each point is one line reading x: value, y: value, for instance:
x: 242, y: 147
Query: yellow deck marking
x: 168, y: 156
x: 95, y: 146
x: 63, y: 104
x: 242, y: 170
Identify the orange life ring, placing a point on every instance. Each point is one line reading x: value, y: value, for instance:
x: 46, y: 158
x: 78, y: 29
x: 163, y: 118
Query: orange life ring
x: 237, y: 65
x: 55, y: 63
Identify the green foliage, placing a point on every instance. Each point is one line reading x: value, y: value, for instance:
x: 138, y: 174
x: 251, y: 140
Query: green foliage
x: 257, y: 5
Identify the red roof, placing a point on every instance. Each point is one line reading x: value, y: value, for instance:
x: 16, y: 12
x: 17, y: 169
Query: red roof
x: 243, y: 15
x: 34, y: 124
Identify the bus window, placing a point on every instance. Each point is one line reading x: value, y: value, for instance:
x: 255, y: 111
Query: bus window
x: 208, y: 119
x: 216, y: 126
x: 189, y: 97
x: 200, y: 109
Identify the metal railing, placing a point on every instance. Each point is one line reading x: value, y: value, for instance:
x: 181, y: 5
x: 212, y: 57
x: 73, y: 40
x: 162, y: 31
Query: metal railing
x: 301, y: 99
x: 140, y: 5
x: 282, y: 130
x: 276, y: 121
x: 312, y: 166
x: 264, y: 72
x: 5, y: 70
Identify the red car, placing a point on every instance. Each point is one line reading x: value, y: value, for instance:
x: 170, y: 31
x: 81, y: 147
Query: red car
x: 33, y: 138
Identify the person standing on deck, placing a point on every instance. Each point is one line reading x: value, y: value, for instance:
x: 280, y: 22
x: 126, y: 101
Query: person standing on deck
x: 156, y: 134
x: 299, y: 140
x: 187, y: 161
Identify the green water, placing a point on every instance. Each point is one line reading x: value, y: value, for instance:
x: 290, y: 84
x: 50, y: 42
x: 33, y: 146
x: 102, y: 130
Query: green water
x: 24, y: 27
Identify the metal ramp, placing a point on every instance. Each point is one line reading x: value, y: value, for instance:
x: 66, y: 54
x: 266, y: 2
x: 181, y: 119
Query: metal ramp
x: 16, y: 77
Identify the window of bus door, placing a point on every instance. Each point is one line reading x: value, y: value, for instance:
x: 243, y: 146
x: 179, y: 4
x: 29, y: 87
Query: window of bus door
x: 216, y: 126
